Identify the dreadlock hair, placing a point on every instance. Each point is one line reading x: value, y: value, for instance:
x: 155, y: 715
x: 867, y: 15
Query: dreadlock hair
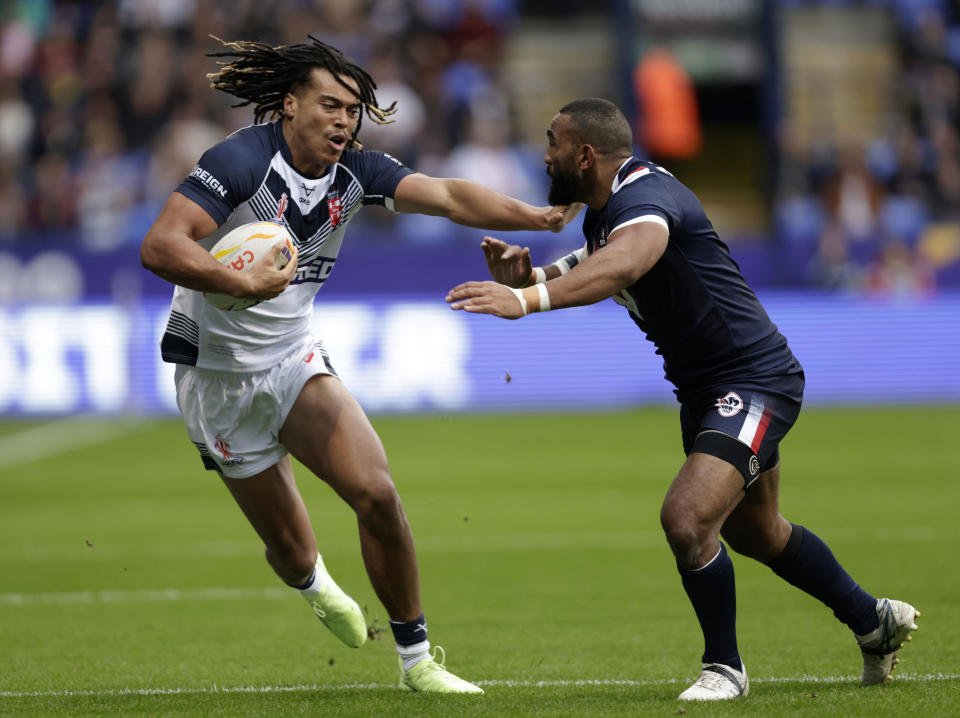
x: 262, y: 75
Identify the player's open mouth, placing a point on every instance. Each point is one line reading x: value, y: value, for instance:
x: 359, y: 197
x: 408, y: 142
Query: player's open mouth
x: 338, y: 142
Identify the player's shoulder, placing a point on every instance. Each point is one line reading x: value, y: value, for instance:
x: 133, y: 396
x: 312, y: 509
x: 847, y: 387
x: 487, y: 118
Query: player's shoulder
x: 640, y: 175
x: 256, y: 140
x: 367, y: 160
x: 642, y: 183
x: 244, y: 150
x: 376, y: 172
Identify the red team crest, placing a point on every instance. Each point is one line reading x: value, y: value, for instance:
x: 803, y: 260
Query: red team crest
x: 334, y: 207
x: 223, y: 448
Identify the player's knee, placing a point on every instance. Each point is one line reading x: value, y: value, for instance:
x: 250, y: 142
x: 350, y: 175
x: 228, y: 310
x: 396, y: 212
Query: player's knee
x: 686, y: 533
x: 377, y: 500
x: 685, y: 544
x: 683, y: 536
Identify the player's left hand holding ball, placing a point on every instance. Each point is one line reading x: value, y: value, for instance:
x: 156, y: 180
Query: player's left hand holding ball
x: 264, y: 257
x: 266, y: 279
x: 486, y: 298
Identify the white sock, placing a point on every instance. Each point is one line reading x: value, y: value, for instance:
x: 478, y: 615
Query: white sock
x: 316, y: 581
x: 413, y: 653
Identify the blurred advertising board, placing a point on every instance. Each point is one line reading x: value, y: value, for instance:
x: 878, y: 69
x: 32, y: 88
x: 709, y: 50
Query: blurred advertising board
x: 412, y: 354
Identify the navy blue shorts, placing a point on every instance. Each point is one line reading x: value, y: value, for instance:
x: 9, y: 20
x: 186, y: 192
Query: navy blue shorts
x: 743, y: 426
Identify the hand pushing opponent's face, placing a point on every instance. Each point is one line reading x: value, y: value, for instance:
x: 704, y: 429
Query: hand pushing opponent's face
x: 319, y: 120
x: 566, y: 178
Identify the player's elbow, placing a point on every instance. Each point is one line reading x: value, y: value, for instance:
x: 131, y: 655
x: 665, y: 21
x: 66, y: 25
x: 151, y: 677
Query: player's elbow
x: 151, y: 254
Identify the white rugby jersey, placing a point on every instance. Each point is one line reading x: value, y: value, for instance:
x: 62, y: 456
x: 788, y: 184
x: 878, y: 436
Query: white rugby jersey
x: 244, y: 179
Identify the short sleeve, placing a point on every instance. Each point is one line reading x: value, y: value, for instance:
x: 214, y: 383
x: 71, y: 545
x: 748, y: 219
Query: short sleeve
x: 379, y: 175
x: 227, y: 175
x: 645, y: 198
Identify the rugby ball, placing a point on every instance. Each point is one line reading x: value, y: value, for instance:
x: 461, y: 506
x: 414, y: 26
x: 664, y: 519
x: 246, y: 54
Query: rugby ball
x: 243, y: 247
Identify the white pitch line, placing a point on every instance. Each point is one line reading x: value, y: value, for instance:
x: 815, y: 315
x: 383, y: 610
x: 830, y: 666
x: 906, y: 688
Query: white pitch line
x: 601, y: 683
x: 60, y: 437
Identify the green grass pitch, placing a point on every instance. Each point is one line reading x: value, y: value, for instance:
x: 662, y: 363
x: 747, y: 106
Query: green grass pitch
x: 131, y: 585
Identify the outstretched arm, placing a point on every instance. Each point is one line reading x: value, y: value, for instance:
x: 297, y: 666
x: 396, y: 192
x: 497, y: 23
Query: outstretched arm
x: 170, y: 251
x: 474, y: 205
x: 629, y: 254
x: 510, y: 264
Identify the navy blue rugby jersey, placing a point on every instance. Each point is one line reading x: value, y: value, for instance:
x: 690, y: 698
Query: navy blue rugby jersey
x: 245, y: 179
x: 693, y: 304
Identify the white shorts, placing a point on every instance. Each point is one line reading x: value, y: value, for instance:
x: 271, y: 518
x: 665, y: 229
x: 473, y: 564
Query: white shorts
x: 234, y: 418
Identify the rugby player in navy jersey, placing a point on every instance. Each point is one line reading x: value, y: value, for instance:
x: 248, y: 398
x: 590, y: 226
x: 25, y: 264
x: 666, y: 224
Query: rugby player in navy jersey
x: 650, y: 247
x: 254, y: 386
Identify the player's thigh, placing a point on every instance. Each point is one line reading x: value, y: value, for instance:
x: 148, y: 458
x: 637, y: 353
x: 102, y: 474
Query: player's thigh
x: 329, y: 433
x: 704, y: 492
x: 274, y: 507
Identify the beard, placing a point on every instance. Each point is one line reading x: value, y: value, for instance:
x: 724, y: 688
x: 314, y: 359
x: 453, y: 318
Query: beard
x: 565, y: 186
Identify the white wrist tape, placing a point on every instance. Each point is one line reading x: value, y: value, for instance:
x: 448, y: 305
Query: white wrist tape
x: 539, y: 276
x: 562, y: 266
x: 544, y: 297
x: 519, y: 295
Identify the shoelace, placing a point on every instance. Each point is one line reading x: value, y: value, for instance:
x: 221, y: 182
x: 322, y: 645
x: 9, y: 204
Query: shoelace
x: 439, y: 656
x: 711, y: 680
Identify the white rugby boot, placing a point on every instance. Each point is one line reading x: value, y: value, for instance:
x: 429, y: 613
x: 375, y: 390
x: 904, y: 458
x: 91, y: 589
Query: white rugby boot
x: 718, y: 682
x: 881, y: 646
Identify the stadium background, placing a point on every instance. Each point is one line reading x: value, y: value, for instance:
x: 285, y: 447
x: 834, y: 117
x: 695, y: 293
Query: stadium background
x: 822, y: 137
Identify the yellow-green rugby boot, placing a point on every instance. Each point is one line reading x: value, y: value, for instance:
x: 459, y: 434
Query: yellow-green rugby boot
x: 431, y: 676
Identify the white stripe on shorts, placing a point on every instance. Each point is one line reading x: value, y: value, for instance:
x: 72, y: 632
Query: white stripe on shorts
x: 750, y: 424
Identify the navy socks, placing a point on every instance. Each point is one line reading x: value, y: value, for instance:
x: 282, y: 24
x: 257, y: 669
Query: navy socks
x: 409, y: 632
x: 712, y: 591
x: 808, y: 564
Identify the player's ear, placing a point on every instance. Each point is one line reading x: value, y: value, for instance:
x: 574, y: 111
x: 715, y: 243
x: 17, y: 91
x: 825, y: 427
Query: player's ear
x: 586, y: 157
x: 289, y: 105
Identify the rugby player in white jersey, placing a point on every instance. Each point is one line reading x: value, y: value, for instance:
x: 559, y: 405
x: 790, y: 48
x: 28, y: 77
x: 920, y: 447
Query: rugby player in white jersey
x: 254, y: 386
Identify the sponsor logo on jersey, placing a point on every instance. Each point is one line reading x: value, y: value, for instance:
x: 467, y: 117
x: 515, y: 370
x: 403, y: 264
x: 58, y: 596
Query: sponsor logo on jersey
x: 729, y: 405
x: 307, y: 190
x: 315, y: 270
x: 334, y: 207
x: 223, y: 448
x: 754, y: 466
x: 207, y: 179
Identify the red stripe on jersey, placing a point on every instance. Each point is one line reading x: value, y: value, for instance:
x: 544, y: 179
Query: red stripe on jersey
x: 642, y: 170
x: 761, y: 430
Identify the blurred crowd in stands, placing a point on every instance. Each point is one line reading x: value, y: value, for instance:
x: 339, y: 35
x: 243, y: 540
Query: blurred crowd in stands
x: 105, y: 107
x: 882, y: 213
